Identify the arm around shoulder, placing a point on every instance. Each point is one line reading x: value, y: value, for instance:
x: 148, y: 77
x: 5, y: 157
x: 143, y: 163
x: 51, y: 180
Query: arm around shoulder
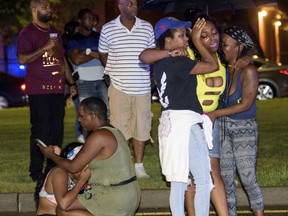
x: 152, y: 55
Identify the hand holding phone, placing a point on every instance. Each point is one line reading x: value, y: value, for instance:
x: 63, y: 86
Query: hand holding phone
x: 40, y: 142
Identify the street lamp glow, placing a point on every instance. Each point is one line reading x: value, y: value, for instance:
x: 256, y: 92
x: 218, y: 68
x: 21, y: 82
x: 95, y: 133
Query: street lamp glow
x: 261, y: 29
x: 262, y: 13
x: 277, y: 41
x: 278, y: 23
x: 278, y: 16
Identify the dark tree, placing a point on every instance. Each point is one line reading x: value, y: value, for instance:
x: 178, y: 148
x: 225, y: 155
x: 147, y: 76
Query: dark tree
x: 15, y: 14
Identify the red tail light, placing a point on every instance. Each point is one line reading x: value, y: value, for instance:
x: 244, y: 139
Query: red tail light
x: 23, y: 87
x: 283, y: 71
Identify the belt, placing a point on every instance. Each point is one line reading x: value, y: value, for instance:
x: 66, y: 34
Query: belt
x: 125, y: 182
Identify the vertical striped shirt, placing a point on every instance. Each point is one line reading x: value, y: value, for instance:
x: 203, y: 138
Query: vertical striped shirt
x: 126, y: 71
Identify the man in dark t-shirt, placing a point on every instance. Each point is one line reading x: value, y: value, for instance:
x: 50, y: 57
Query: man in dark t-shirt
x: 40, y: 48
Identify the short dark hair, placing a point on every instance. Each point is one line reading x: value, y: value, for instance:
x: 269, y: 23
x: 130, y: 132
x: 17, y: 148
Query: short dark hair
x: 83, y: 12
x: 34, y: 3
x: 96, y: 17
x: 96, y: 106
x: 70, y: 27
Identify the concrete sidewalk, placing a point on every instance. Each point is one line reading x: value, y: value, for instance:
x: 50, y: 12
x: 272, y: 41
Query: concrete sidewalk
x: 152, y: 200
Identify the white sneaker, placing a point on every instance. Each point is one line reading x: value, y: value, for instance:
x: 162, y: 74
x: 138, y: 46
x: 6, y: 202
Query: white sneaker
x: 81, y: 138
x: 140, y: 171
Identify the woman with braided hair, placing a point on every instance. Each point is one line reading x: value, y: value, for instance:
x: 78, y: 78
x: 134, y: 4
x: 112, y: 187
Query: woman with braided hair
x: 239, y: 129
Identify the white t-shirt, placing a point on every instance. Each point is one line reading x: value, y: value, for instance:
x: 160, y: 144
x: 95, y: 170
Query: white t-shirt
x: 126, y: 71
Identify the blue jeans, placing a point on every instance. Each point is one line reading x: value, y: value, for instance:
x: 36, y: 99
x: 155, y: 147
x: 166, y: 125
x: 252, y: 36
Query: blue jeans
x: 215, y: 151
x: 95, y: 88
x: 199, y: 166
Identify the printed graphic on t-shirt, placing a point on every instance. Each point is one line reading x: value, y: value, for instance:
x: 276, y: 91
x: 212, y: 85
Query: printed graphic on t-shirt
x: 51, y: 58
x: 163, y: 100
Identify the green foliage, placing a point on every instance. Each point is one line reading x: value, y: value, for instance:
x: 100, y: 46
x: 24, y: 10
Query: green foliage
x: 15, y: 14
x: 272, y: 167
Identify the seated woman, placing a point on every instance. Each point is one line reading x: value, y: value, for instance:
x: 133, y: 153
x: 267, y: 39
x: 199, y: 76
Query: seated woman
x: 60, y: 188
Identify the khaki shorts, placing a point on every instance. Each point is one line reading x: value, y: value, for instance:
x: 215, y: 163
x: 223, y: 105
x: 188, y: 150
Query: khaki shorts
x: 130, y: 114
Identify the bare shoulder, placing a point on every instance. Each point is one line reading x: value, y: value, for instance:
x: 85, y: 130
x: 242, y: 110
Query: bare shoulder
x: 250, y: 70
x: 250, y: 75
x: 57, y: 171
x: 102, y: 143
x: 102, y: 133
x: 101, y: 137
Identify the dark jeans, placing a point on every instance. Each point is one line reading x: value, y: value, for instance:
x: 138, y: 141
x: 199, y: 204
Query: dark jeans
x: 95, y: 88
x: 46, y: 118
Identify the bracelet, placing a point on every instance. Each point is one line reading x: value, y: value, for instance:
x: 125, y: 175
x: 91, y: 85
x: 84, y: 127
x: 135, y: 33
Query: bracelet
x: 72, y: 84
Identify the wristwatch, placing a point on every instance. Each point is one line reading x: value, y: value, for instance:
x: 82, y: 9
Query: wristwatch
x: 88, y: 51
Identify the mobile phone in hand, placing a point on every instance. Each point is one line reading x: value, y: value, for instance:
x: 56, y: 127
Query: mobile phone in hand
x: 40, y: 142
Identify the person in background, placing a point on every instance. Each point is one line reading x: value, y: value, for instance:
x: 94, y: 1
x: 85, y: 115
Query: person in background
x: 71, y: 28
x: 121, y: 42
x: 83, y: 53
x: 96, y: 22
x: 60, y: 189
x: 113, y: 187
x: 183, y: 132
x: 239, y: 128
x: 40, y: 48
x: 210, y: 87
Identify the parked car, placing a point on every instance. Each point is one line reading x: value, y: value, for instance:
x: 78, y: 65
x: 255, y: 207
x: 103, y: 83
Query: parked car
x: 273, y: 79
x: 12, y: 91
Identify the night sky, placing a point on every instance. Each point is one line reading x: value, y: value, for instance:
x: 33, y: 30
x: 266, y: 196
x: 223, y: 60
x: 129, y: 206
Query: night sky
x: 283, y: 5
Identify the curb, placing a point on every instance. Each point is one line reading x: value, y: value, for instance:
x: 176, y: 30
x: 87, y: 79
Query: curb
x: 274, y: 198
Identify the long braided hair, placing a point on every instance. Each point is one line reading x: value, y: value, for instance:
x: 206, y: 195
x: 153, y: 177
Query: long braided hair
x: 40, y: 182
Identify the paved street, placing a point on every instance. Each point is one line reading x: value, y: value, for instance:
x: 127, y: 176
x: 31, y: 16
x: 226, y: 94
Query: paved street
x: 155, y: 202
x: 268, y: 212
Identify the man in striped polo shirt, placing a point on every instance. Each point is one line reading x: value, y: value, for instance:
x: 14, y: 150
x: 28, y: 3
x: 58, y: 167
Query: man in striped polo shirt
x: 121, y: 42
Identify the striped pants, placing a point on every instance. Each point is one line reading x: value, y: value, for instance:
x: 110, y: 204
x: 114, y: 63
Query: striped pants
x: 238, y: 153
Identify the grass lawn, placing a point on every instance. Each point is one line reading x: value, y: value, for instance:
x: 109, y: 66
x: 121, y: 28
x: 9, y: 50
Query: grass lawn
x: 272, y: 165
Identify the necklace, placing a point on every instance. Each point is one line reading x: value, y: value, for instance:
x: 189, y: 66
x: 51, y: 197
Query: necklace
x: 42, y: 29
